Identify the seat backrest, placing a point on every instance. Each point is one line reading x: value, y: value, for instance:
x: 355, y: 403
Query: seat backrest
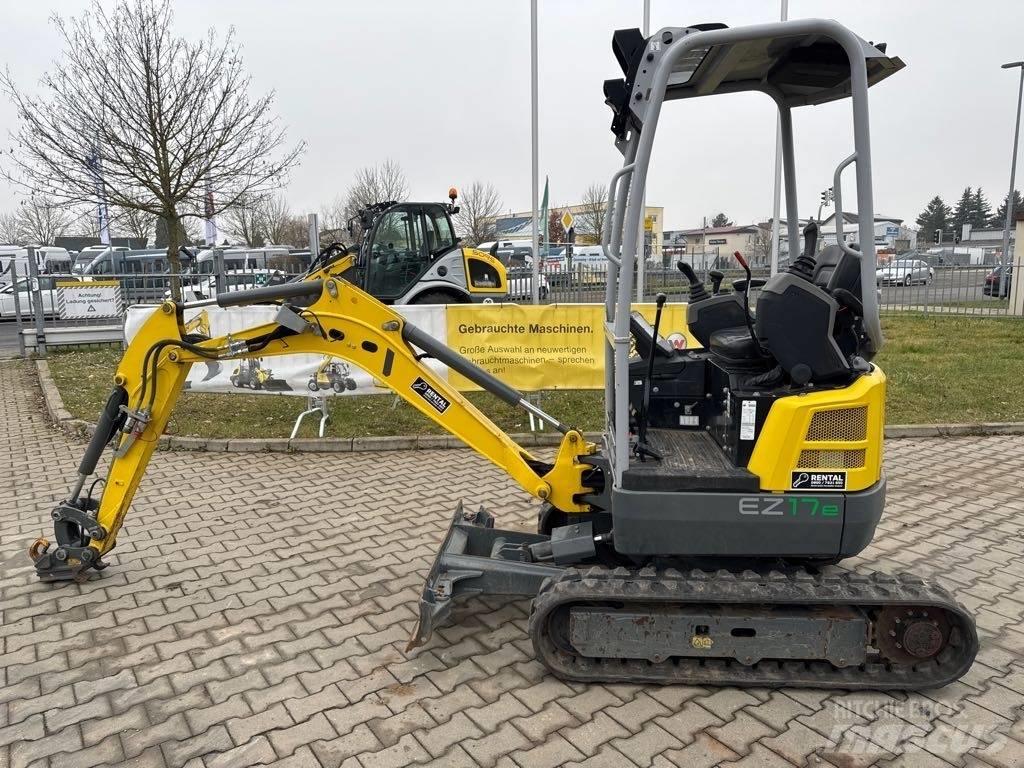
x: 836, y: 268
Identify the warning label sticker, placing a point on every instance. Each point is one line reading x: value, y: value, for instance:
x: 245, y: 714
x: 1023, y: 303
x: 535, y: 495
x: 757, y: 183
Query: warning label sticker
x: 748, y: 419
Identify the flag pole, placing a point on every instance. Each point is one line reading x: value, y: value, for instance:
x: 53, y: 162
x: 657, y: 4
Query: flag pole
x: 534, y: 164
x: 777, y: 200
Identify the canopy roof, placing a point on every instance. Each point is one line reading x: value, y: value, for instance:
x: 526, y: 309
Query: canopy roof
x: 801, y: 68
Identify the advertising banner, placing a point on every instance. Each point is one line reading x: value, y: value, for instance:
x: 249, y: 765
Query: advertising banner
x: 554, y: 346
x: 97, y: 298
x: 285, y: 374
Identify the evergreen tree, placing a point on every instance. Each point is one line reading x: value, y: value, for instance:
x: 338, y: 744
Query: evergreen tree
x: 962, y: 213
x: 999, y: 217
x: 935, y: 216
x: 981, y: 211
x: 721, y: 220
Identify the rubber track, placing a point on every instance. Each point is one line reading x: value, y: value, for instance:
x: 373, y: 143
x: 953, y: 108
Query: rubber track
x: 793, y: 588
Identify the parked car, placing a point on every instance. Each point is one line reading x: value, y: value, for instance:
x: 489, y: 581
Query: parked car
x: 48, y: 297
x: 993, y: 280
x: 520, y: 284
x: 905, y: 272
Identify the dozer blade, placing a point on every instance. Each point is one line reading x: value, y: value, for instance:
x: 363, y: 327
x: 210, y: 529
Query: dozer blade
x: 476, y: 558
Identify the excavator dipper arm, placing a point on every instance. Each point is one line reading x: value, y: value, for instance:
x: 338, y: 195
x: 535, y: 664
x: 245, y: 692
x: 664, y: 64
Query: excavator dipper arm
x: 340, y: 320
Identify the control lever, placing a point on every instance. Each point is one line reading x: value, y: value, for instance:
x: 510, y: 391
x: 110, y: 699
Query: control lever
x: 697, y: 290
x: 746, y: 298
x: 642, y: 449
x: 805, y: 263
x: 716, y: 281
x: 810, y: 239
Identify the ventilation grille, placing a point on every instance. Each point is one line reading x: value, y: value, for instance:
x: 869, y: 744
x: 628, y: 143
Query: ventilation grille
x: 840, y: 424
x: 825, y: 459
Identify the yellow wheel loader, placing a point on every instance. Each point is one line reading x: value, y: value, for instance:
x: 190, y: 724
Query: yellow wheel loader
x: 251, y: 373
x: 690, y: 544
x: 407, y: 253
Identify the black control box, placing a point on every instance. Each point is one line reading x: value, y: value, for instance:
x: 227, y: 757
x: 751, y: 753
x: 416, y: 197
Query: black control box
x: 677, y: 391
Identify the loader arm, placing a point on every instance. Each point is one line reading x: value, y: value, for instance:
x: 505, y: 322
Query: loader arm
x: 342, y: 321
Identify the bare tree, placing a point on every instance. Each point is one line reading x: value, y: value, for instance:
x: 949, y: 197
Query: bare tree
x: 42, y: 220
x: 479, y: 207
x: 135, y: 224
x: 333, y: 222
x: 277, y: 219
x: 176, y: 120
x: 761, y: 245
x: 245, y: 221
x: 294, y: 231
x: 593, y: 210
x: 376, y: 184
x: 11, y: 230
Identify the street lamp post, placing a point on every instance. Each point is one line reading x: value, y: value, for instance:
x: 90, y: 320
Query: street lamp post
x: 1013, y: 168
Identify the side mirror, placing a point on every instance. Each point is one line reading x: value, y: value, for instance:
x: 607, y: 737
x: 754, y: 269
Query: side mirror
x: 494, y: 249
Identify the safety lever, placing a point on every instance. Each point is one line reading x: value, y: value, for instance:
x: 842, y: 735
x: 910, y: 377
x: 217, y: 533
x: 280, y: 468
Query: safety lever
x: 642, y: 449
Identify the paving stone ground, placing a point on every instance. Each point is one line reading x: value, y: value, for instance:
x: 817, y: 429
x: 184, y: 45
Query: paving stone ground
x: 257, y: 606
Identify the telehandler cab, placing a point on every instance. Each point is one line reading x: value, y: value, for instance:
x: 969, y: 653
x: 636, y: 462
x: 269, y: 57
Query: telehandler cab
x: 407, y: 253
x: 689, y: 545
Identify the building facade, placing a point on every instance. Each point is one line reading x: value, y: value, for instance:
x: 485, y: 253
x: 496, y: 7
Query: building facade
x: 519, y: 226
x: 890, y: 233
x: 713, y: 247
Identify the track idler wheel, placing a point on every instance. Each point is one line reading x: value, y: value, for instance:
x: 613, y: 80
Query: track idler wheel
x: 908, y: 634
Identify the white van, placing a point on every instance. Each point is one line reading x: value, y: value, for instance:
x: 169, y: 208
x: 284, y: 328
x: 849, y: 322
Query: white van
x: 591, y: 255
x: 241, y: 259
x: 50, y: 260
x: 53, y: 260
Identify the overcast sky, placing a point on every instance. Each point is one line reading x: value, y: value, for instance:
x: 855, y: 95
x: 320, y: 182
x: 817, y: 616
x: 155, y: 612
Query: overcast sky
x: 443, y: 87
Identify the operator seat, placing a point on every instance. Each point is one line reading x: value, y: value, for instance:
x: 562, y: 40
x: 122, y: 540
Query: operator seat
x: 808, y: 318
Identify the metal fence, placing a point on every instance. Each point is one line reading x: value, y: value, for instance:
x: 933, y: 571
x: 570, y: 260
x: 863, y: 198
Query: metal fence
x: 940, y: 285
x: 31, y: 315
x: 586, y: 283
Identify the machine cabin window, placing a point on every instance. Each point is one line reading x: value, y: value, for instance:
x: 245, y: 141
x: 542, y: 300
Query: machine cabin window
x: 398, y: 253
x: 438, y: 230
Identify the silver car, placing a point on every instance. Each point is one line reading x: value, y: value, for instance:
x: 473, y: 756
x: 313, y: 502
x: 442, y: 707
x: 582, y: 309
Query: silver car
x: 26, y: 298
x: 905, y: 272
x: 520, y: 284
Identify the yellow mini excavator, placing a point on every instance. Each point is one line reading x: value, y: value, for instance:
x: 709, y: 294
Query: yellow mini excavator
x: 690, y: 545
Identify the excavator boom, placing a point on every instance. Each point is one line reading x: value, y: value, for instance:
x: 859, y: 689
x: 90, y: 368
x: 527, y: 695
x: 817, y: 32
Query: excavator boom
x: 340, y: 321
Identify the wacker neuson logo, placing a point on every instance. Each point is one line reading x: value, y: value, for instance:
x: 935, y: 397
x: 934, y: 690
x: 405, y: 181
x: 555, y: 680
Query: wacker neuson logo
x: 431, y: 395
x: 819, y: 481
